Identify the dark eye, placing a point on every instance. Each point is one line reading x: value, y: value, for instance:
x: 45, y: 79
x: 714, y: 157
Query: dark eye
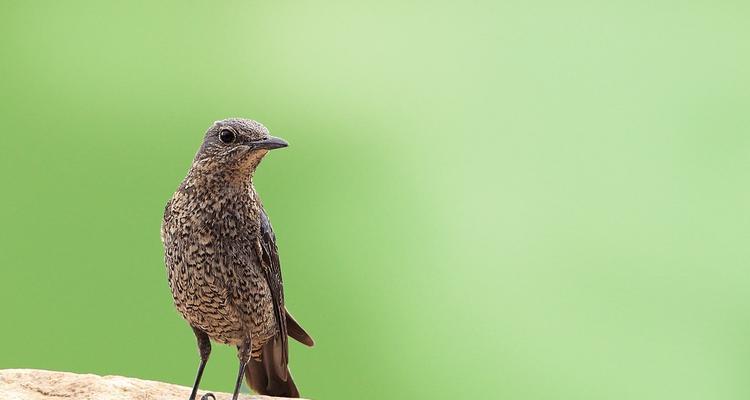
x: 226, y: 136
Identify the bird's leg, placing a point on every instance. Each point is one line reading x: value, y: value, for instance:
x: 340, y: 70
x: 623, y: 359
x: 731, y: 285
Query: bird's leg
x: 204, y: 348
x: 243, y: 353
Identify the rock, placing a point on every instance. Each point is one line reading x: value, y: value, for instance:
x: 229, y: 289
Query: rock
x: 33, y: 384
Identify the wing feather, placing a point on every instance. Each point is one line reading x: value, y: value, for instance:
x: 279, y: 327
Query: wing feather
x: 272, y: 270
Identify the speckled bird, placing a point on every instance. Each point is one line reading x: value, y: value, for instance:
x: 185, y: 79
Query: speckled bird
x: 222, y: 261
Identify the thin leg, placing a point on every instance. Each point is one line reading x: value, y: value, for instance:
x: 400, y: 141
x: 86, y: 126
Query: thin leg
x: 244, y: 355
x: 204, y: 349
x: 198, y: 379
x: 239, y: 381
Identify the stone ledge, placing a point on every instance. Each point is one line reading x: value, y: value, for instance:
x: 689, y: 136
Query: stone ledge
x: 34, y: 384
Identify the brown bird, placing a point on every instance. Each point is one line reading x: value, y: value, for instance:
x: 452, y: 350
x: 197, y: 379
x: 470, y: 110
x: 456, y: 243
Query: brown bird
x: 222, y: 261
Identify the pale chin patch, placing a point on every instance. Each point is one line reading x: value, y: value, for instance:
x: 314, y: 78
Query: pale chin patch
x: 253, y: 158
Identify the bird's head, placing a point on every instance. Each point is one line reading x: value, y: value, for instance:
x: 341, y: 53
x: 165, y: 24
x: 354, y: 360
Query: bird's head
x: 235, y: 146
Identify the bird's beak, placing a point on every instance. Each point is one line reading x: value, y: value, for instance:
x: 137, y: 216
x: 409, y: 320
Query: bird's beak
x: 270, y: 143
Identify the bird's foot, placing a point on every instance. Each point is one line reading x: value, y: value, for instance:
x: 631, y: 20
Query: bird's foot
x: 208, y: 396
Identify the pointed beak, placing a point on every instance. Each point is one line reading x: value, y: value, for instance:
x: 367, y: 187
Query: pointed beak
x: 270, y: 143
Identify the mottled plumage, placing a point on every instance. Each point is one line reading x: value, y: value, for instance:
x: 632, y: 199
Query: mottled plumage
x: 222, y: 261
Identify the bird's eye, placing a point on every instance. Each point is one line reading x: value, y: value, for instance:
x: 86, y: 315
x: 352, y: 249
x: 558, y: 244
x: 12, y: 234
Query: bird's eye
x: 226, y: 136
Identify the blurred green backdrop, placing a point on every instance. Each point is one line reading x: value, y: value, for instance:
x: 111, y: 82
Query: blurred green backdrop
x: 520, y: 200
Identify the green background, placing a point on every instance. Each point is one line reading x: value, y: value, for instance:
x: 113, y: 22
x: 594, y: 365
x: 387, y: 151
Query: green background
x: 519, y: 200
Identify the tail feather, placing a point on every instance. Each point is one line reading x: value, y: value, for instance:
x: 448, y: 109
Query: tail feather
x: 269, y: 375
x: 296, y: 331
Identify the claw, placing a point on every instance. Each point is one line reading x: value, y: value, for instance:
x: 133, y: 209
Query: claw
x: 208, y: 396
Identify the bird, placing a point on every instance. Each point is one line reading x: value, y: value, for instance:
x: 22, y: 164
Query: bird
x: 222, y: 261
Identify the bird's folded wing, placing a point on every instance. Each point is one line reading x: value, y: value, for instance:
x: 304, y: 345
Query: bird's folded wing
x: 270, y: 259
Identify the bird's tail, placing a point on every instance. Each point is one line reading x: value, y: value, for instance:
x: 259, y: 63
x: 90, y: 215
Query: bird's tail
x: 270, y: 375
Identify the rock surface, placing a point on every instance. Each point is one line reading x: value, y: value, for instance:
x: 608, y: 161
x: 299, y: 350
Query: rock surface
x: 32, y: 384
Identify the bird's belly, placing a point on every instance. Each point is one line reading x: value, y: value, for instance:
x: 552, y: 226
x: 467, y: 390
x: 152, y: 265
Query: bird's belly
x: 208, y: 307
x: 217, y: 282
x: 228, y: 310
